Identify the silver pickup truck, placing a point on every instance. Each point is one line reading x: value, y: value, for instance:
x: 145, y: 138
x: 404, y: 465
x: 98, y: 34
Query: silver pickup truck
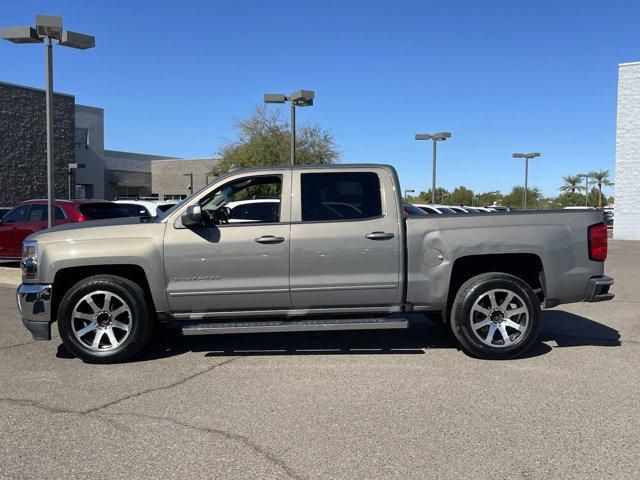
x: 334, y: 251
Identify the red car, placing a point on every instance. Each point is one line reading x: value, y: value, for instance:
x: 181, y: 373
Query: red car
x: 31, y: 216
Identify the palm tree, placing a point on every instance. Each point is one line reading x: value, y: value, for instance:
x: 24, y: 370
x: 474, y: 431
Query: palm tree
x: 602, y: 178
x: 571, y: 183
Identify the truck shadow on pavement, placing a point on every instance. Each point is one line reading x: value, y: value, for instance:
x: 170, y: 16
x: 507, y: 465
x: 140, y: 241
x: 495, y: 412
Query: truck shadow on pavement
x: 559, y: 327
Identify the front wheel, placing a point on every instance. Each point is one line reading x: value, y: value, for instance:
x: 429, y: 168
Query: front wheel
x: 495, y: 316
x: 104, y: 319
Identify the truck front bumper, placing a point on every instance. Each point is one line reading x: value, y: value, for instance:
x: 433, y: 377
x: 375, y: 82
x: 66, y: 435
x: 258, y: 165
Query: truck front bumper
x: 34, y: 303
x: 598, y: 289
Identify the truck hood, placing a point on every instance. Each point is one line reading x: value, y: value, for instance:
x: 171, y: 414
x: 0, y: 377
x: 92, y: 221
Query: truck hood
x: 114, y: 228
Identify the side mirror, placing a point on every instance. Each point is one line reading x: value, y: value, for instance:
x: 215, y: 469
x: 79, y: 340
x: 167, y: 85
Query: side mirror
x: 193, y: 216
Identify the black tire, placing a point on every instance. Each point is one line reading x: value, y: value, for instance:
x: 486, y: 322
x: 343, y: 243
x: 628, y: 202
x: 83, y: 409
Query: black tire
x: 138, y: 319
x: 465, y: 315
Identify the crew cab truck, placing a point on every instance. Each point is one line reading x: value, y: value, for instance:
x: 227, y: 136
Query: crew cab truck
x: 338, y: 255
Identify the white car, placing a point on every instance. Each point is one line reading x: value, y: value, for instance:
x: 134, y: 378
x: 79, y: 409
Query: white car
x: 263, y: 210
x: 487, y: 209
x: 145, y: 208
x: 434, y: 209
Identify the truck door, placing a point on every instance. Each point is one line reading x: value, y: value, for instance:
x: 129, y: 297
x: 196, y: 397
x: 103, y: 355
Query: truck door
x: 233, y: 266
x: 345, y: 239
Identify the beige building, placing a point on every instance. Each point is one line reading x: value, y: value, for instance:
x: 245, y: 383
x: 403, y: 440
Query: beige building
x: 171, y: 178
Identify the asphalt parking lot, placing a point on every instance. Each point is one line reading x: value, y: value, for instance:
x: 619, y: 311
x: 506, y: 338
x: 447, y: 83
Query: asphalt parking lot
x: 404, y: 404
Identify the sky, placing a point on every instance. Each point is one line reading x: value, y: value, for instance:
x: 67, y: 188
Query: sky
x: 503, y: 77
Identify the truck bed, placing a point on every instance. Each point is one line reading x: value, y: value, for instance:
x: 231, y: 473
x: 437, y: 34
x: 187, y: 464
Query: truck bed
x: 557, y: 239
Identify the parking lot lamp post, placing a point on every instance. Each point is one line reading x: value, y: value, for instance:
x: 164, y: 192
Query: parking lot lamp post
x: 190, y: 175
x: 586, y: 188
x: 436, y: 137
x: 301, y: 98
x: 526, y: 157
x: 407, y: 192
x: 49, y: 29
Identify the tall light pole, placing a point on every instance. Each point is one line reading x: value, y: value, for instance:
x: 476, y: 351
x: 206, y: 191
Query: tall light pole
x: 190, y: 175
x: 526, y: 157
x: 436, y: 137
x: 586, y: 188
x: 406, y: 192
x: 49, y: 29
x: 301, y: 98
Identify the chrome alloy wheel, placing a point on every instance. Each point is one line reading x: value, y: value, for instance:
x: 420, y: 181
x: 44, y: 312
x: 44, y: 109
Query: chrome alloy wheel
x: 500, y: 318
x: 101, y: 321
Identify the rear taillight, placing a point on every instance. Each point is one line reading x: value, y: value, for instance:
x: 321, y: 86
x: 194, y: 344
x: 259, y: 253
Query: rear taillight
x: 598, y: 242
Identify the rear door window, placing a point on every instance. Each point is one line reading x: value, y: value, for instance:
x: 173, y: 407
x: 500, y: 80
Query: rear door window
x: 340, y: 196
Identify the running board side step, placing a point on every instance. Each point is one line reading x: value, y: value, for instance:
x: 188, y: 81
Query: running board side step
x: 295, y: 326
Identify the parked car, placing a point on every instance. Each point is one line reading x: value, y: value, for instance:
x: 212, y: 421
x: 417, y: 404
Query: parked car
x: 485, y: 209
x: 316, y: 268
x: 140, y: 208
x: 499, y: 208
x: 435, y: 209
x: 409, y: 209
x: 607, y: 216
x: 165, y: 205
x: 256, y: 210
x: 32, y: 216
x: 4, y: 211
x: 458, y: 209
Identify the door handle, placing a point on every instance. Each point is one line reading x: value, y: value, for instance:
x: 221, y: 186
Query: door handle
x: 379, y: 236
x: 269, y: 239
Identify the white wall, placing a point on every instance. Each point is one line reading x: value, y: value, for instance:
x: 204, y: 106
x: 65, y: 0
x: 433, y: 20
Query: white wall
x: 626, y: 225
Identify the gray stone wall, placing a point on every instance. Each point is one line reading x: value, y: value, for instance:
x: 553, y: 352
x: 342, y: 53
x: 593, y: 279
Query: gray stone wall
x: 167, y: 176
x: 626, y: 225
x: 23, y: 143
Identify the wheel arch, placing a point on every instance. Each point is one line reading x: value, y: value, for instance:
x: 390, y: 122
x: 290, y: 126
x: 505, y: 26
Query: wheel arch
x: 526, y: 266
x: 67, y: 277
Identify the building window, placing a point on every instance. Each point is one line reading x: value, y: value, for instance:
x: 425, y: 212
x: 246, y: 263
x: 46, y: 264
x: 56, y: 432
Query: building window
x: 174, y: 196
x: 84, y: 190
x: 81, y: 138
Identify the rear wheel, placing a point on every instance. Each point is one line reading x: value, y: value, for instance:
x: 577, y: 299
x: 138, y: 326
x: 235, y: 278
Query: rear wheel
x: 495, y: 315
x: 104, y: 319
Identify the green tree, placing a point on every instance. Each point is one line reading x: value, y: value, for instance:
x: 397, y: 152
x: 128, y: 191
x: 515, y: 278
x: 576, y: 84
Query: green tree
x: 568, y: 199
x: 571, y: 183
x: 461, y: 196
x: 489, y: 198
x: 264, y: 140
x: 514, y: 198
x: 602, y: 179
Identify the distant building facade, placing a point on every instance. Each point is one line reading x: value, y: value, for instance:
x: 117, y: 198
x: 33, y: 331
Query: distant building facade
x: 626, y: 225
x: 171, y: 179
x: 78, y: 138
